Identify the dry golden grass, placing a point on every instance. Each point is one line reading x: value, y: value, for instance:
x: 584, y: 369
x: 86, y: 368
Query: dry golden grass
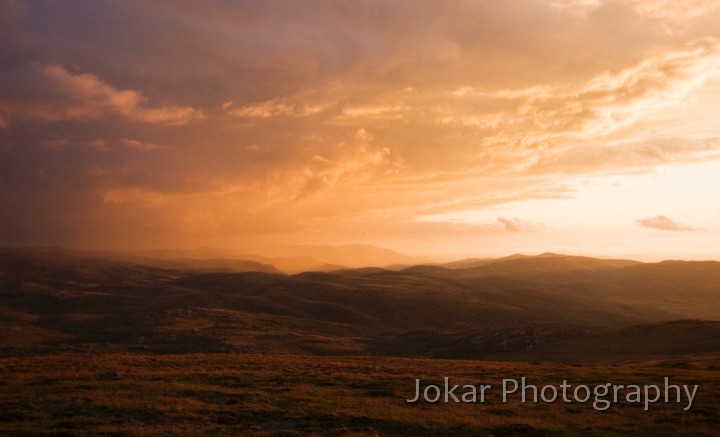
x: 272, y: 395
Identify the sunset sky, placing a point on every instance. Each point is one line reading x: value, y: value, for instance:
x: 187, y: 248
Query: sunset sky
x: 435, y: 128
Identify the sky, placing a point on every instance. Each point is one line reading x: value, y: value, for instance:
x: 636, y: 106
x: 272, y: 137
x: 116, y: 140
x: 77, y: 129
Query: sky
x: 441, y: 129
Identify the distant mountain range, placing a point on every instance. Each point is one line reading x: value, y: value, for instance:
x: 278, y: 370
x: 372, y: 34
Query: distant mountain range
x: 289, y: 259
x: 519, y: 307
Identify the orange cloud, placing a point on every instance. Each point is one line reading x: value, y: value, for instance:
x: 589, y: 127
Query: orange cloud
x: 323, y: 174
x: 264, y: 110
x: 139, y: 145
x: 336, y: 122
x: 64, y: 95
x: 673, y: 10
x: 136, y: 196
x: 388, y: 112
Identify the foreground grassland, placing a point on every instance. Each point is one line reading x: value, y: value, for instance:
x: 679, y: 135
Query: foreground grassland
x: 271, y: 395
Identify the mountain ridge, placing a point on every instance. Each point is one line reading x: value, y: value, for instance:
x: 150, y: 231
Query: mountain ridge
x: 422, y: 310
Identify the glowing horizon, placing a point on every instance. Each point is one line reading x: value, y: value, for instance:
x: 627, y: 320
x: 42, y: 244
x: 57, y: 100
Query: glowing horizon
x: 476, y: 128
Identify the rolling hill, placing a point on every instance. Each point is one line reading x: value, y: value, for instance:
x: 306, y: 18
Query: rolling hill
x: 512, y: 308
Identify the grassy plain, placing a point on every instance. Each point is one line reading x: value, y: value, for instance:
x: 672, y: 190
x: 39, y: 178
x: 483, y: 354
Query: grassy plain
x: 281, y: 395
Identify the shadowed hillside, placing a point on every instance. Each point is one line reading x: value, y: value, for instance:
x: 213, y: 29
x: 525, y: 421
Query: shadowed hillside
x: 553, y: 306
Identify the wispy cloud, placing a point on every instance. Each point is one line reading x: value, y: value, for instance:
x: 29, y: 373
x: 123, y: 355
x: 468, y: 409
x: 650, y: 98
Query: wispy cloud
x: 516, y: 225
x: 264, y: 110
x: 664, y: 224
x: 140, y: 145
x: 389, y: 112
x: 52, y: 93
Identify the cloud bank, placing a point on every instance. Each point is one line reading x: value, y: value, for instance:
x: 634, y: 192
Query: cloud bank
x: 171, y: 123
